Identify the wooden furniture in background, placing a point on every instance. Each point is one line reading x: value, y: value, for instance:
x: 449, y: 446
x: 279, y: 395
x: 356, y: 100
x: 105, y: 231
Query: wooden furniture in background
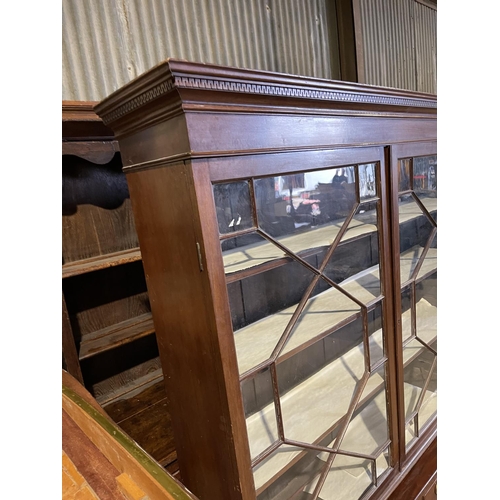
x: 297, y: 342
x: 108, y: 337
x: 100, y: 461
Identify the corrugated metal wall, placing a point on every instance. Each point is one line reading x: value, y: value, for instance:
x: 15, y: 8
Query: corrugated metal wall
x: 106, y: 43
x: 399, y: 44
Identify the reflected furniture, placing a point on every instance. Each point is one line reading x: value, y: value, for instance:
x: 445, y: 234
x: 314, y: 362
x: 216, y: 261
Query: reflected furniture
x: 288, y: 230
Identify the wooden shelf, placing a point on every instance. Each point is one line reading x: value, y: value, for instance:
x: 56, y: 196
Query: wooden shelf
x: 100, y: 262
x: 128, y: 383
x: 324, y: 313
x: 309, y: 414
x: 259, y: 256
x: 113, y: 336
x: 146, y: 419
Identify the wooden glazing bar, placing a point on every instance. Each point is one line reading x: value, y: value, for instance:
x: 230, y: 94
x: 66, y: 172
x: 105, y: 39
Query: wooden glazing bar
x: 235, y: 234
x: 426, y: 345
x: 341, y: 433
x: 325, y: 449
x: 277, y: 403
x: 245, y: 335
x: 366, y: 342
x: 424, y: 210
x: 278, y: 262
x: 262, y: 456
x: 293, y: 320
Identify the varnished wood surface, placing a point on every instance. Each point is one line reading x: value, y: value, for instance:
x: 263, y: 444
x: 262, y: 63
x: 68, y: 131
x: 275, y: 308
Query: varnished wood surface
x: 171, y: 123
x: 100, y: 262
x: 99, y: 473
x: 412, y: 487
x: 145, y: 417
x: 117, y: 447
x: 195, y: 386
x: 79, y: 122
x: 116, y: 335
x: 69, y: 350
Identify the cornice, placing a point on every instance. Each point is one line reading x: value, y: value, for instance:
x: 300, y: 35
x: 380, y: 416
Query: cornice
x: 184, y: 77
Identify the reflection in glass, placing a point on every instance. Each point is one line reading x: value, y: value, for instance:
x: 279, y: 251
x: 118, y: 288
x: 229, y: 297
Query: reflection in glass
x: 425, y: 175
x: 233, y: 206
x: 367, y: 181
x: 404, y: 175
x: 294, y: 203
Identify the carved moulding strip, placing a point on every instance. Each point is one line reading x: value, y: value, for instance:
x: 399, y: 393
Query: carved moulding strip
x: 179, y: 82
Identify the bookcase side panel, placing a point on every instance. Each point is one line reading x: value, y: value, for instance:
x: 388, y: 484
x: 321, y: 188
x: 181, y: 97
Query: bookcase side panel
x: 183, y: 310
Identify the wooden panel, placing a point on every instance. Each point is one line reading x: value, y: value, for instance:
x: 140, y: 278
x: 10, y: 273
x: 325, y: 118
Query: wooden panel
x: 226, y: 133
x: 186, y: 330
x: 125, y: 382
x: 100, y: 262
x: 152, y: 429
x: 116, y: 335
x: 97, y: 218
x: 414, y: 484
x: 107, y: 297
x: 69, y: 350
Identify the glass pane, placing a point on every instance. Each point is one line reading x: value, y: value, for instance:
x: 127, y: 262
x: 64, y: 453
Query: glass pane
x: 326, y: 309
x: 410, y: 434
x: 312, y: 405
x: 295, y: 203
x: 286, y: 471
x: 377, y: 348
x: 260, y: 412
x: 233, y: 206
x: 242, y: 252
x: 368, y: 430
x: 383, y: 462
x: 404, y: 175
x: 415, y: 230
x: 262, y: 306
x: 425, y: 175
x: 406, y: 316
x: 426, y: 309
x: 355, y: 266
x: 348, y: 478
x: 367, y: 180
x: 417, y: 375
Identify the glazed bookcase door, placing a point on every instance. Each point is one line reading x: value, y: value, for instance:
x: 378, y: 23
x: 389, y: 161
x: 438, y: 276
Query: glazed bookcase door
x: 307, y: 293
x: 415, y: 233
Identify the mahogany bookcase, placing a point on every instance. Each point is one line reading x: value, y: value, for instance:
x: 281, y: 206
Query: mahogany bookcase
x: 287, y: 227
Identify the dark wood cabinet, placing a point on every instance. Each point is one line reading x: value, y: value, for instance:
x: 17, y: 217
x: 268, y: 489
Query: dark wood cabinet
x: 109, y: 341
x: 287, y: 227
